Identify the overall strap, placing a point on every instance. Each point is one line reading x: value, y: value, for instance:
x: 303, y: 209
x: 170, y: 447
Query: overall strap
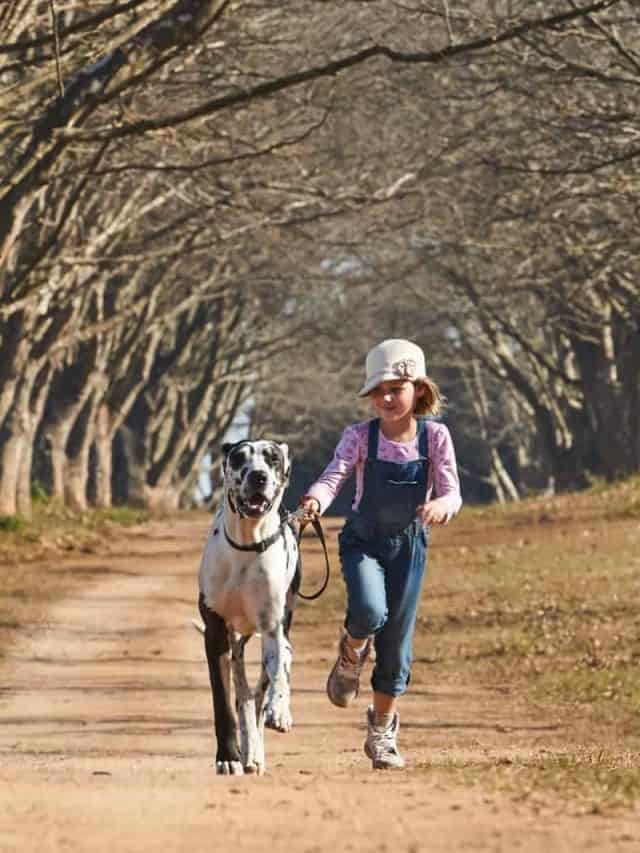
x: 372, y: 445
x: 423, y: 438
x: 423, y: 449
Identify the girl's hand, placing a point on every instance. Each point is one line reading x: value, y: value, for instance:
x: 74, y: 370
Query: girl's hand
x: 433, y: 512
x: 311, y: 507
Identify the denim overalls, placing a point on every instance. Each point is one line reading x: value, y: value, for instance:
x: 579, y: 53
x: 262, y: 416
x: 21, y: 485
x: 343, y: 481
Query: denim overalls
x: 383, y: 551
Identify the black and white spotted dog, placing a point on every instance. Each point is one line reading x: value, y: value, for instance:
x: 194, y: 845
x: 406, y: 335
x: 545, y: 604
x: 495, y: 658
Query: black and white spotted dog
x: 248, y: 579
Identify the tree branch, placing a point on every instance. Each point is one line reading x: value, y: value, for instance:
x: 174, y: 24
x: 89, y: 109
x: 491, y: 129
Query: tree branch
x: 329, y: 69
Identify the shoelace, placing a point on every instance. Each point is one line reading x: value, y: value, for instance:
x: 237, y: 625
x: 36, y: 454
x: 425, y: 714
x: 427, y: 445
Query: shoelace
x: 347, y: 663
x: 384, y: 740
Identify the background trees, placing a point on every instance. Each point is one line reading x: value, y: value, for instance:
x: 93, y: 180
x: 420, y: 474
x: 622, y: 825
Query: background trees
x: 205, y: 203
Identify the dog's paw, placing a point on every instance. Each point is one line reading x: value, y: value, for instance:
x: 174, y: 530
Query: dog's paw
x: 229, y: 768
x: 254, y: 768
x: 278, y: 717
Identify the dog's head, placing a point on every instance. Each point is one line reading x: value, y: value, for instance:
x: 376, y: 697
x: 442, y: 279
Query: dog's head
x: 255, y: 475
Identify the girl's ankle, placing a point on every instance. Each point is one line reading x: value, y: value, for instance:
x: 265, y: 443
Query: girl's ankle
x: 355, y: 647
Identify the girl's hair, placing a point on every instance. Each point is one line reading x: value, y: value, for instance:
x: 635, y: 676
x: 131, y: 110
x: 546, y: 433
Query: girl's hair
x: 432, y: 400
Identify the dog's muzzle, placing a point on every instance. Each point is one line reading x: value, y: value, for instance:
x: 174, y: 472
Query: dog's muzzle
x: 255, y: 502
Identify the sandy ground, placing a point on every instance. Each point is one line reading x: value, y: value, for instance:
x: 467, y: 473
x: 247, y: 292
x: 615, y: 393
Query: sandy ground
x: 106, y: 740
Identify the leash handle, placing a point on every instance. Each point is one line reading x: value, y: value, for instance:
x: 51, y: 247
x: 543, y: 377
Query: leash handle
x: 317, y: 527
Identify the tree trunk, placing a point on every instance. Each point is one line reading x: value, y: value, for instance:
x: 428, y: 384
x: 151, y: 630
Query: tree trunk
x: 18, y: 429
x: 165, y: 497
x: 78, y: 448
x: 607, y: 407
x: 57, y: 441
x: 10, y: 458
x: 23, y: 487
x: 77, y: 477
x: 135, y: 468
x: 104, y: 458
x: 504, y: 485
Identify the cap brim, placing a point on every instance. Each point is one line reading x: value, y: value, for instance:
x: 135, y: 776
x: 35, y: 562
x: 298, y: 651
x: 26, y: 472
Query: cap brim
x: 387, y: 376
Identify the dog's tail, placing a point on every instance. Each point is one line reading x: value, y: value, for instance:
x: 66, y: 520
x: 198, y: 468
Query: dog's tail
x: 198, y: 625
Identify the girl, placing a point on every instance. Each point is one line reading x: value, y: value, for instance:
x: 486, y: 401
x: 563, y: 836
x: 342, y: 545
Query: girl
x: 400, y: 459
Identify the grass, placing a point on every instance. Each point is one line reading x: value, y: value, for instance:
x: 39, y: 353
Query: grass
x: 55, y: 527
x: 11, y: 524
x: 587, y: 781
x: 538, y: 601
x: 541, y: 598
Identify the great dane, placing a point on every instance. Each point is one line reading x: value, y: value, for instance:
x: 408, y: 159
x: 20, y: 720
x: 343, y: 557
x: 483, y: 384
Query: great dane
x: 249, y: 577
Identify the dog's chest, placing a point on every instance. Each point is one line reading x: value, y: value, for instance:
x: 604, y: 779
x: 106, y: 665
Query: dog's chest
x: 247, y: 590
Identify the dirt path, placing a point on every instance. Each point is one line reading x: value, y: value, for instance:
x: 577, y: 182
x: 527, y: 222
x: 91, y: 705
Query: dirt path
x: 106, y: 741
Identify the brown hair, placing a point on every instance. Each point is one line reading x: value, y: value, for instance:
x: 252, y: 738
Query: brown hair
x: 432, y: 400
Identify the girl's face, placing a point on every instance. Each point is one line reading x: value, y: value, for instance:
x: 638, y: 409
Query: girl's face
x: 395, y: 399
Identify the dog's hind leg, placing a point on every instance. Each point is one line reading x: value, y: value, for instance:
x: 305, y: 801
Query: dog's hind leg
x: 251, y: 744
x: 216, y: 643
x: 292, y: 598
x: 276, y: 658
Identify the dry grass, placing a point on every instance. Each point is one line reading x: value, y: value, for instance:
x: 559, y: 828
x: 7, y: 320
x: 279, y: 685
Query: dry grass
x: 541, y: 600
x: 538, y: 600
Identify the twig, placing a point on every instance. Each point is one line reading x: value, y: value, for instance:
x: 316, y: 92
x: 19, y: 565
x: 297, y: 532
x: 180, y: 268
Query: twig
x: 447, y: 17
x: 56, y: 38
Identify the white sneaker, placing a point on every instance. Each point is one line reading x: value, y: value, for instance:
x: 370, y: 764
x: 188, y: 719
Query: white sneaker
x: 343, y: 683
x: 380, y: 745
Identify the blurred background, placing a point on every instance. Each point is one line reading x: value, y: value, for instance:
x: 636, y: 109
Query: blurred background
x: 210, y: 211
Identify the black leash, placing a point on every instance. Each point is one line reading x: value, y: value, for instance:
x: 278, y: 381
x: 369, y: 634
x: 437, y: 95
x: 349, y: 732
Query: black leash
x: 261, y: 546
x: 317, y: 527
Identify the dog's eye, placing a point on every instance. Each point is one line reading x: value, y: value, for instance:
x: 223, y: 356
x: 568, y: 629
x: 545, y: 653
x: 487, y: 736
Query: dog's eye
x: 272, y: 457
x: 237, y: 459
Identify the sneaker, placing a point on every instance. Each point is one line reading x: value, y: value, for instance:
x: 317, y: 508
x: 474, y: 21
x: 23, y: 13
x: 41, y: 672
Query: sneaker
x: 344, y: 679
x: 380, y: 745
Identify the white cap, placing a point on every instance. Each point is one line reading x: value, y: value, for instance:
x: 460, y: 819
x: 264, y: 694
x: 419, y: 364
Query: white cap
x: 393, y: 359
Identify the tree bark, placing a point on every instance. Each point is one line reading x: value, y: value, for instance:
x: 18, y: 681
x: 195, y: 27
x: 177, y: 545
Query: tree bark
x: 16, y: 451
x: 104, y: 459
x: 78, y: 448
x: 10, y: 460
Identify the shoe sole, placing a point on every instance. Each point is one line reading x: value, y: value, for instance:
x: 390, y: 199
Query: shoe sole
x: 344, y: 701
x: 338, y: 701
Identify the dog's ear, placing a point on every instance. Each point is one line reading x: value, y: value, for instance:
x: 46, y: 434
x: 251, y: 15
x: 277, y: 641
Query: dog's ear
x: 286, y: 461
x: 226, y: 447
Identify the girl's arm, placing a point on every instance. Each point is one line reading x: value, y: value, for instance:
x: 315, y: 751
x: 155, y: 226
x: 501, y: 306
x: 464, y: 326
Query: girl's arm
x: 446, y: 483
x: 329, y: 483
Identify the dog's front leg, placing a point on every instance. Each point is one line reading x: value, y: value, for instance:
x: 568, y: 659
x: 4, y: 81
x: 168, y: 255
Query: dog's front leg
x: 251, y: 744
x: 216, y: 643
x: 276, y: 658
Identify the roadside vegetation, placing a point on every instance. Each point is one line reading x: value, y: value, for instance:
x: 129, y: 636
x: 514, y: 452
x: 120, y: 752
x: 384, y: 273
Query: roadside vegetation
x: 536, y: 602
x: 540, y: 601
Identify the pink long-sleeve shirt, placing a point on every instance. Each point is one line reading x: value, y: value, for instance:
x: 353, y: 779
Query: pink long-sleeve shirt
x: 351, y: 452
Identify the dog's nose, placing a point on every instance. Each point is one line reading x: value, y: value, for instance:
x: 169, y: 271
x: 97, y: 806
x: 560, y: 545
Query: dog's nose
x: 258, y: 479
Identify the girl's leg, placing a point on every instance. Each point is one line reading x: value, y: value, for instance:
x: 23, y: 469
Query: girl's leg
x: 366, y: 613
x: 394, y: 642
x: 366, y: 595
x: 384, y: 705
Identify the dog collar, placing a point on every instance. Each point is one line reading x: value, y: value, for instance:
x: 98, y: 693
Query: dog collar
x: 259, y: 547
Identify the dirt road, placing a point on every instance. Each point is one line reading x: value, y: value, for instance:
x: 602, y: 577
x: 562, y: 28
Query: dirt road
x: 106, y: 740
